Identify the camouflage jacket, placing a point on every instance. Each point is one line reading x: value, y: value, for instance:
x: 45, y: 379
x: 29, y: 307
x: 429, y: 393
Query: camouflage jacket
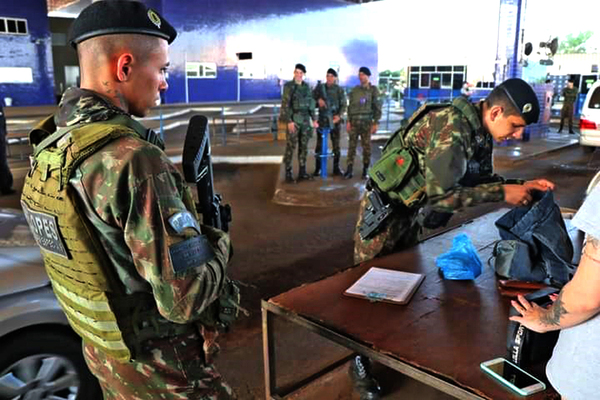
x: 455, y: 155
x: 335, y: 99
x: 133, y: 189
x: 364, y: 103
x: 570, y: 95
x: 296, y: 102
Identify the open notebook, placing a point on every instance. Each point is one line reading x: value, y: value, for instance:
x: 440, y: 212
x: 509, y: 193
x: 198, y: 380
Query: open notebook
x: 391, y: 286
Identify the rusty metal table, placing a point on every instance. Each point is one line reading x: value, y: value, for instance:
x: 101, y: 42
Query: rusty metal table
x: 439, y: 338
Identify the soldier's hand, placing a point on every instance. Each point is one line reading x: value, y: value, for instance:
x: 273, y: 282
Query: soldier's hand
x: 348, y: 126
x: 315, y: 124
x: 322, y: 103
x: 292, y: 127
x: 517, y: 195
x: 336, y: 119
x: 374, y: 129
x: 539, y: 184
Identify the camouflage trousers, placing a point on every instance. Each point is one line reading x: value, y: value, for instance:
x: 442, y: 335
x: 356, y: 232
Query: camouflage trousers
x: 166, y: 368
x: 334, y: 134
x: 300, y: 138
x: 360, y: 128
x: 398, y: 232
x: 566, y: 113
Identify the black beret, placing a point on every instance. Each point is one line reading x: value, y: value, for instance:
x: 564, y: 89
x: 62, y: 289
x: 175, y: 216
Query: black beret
x: 300, y: 67
x: 332, y: 72
x: 365, y: 71
x: 119, y: 16
x: 523, y: 98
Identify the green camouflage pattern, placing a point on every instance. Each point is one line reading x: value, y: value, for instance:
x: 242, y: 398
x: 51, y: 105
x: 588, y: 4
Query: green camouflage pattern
x: 446, y: 141
x: 364, y: 104
x: 359, y: 128
x: 300, y: 138
x: 298, y: 106
x: 296, y: 102
x: 335, y: 100
x: 170, y: 369
x: 133, y: 189
x: 570, y: 95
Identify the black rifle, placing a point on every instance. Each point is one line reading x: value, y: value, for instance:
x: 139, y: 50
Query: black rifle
x: 197, y: 168
x: 328, y: 109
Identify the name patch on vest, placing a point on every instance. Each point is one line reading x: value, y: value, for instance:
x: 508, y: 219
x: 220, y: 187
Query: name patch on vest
x: 191, y: 253
x: 45, y: 231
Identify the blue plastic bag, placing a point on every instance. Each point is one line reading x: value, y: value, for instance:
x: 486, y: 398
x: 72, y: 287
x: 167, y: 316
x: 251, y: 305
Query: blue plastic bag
x: 461, y: 261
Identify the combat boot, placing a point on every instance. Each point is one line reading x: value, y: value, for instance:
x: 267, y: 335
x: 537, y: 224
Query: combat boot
x: 365, y: 170
x: 348, y: 174
x: 302, y: 175
x: 289, y: 178
x: 336, y: 166
x: 364, y: 383
x: 317, y: 166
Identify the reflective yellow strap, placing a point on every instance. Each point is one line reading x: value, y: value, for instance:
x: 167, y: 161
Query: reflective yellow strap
x: 89, y: 304
x: 96, y: 340
x: 104, y: 326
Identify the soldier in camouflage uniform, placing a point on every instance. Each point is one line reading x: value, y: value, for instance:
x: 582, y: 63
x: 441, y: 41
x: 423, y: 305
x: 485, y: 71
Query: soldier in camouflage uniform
x: 135, y: 272
x: 566, y: 113
x: 452, y: 145
x: 331, y: 99
x: 298, y: 112
x: 364, y: 113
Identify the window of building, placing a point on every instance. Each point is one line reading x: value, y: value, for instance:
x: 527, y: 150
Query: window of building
x: 13, y: 26
x: 446, y: 81
x: 201, y: 70
x: 16, y: 75
x: 425, y: 81
x: 414, y: 81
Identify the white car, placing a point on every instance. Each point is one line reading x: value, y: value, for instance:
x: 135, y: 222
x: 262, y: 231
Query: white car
x: 40, y: 355
x: 589, y: 120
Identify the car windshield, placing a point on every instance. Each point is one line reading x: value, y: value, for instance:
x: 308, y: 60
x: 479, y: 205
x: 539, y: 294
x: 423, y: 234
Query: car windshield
x: 595, y: 99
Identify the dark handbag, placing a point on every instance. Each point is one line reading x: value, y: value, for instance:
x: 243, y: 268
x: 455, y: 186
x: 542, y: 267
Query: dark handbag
x: 540, y: 226
x: 526, y: 347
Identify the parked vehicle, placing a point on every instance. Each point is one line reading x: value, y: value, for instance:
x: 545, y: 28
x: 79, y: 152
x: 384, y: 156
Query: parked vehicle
x: 589, y: 122
x: 40, y: 356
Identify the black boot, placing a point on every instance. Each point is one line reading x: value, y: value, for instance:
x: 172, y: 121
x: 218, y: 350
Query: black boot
x: 317, y: 166
x: 348, y: 174
x: 336, y: 166
x: 365, y: 170
x: 364, y: 383
x: 302, y: 175
x: 289, y: 178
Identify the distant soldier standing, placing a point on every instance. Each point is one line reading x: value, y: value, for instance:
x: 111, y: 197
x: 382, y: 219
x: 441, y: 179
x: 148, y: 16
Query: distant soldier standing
x: 570, y: 96
x: 331, y: 100
x: 6, y: 178
x: 364, y: 113
x: 298, y: 112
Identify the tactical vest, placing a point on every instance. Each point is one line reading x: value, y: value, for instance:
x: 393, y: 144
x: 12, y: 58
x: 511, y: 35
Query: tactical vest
x: 363, y: 109
x: 398, y: 174
x: 302, y: 100
x: 87, y: 288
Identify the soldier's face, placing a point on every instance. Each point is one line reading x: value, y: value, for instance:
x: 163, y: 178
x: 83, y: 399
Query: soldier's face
x: 298, y: 75
x: 330, y: 79
x: 364, y: 78
x: 502, y: 127
x: 148, y: 80
x: 570, y: 85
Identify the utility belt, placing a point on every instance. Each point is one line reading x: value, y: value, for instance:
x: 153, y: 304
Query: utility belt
x: 395, y: 180
x: 360, y: 117
x: 299, y: 117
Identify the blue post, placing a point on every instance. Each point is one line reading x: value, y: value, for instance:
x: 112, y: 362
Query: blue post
x: 323, y: 156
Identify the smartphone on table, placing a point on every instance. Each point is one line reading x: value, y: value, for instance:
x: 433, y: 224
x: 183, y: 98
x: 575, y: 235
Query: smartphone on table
x: 512, y: 376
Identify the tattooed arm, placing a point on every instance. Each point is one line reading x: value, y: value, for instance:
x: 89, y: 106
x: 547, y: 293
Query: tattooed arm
x: 578, y: 301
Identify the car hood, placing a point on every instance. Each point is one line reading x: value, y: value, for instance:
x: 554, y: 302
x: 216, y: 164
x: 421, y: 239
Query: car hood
x: 21, y: 264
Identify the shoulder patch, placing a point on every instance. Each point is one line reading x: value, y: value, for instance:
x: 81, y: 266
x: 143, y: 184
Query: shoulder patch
x: 191, y: 253
x: 45, y: 231
x: 183, y: 220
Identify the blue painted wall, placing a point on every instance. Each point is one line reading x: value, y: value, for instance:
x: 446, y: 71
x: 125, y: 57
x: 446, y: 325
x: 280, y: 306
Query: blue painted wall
x: 32, y: 50
x: 278, y: 33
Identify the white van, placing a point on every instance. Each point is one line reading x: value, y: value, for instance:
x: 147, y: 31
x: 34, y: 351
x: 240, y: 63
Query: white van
x: 589, y: 121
